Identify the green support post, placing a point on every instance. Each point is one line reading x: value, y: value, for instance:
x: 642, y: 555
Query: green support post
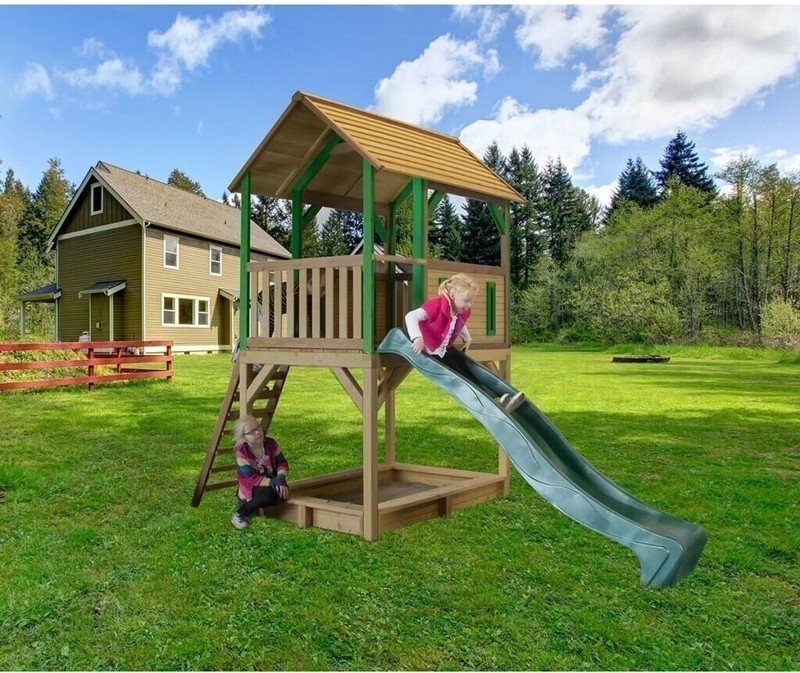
x: 420, y: 243
x: 368, y: 276
x: 297, y: 223
x: 244, y: 259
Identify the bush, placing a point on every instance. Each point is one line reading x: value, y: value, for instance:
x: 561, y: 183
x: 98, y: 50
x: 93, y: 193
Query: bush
x: 629, y: 311
x: 780, y: 324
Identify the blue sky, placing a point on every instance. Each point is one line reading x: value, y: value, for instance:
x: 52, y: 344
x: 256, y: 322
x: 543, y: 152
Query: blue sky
x: 197, y: 87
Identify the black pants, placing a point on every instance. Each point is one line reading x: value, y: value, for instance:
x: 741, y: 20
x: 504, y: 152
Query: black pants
x: 263, y: 496
x: 451, y: 359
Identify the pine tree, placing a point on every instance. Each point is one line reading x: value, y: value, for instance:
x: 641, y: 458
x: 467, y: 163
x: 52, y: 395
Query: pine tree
x: 180, y: 180
x: 332, y: 239
x: 525, y: 243
x: 353, y: 228
x: 272, y: 215
x: 14, y: 200
x: 43, y: 213
x: 445, y: 234
x: 680, y: 161
x: 635, y: 185
x: 559, y: 209
x: 481, y: 239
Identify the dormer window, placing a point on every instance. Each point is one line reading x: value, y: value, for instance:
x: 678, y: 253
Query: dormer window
x: 97, y: 199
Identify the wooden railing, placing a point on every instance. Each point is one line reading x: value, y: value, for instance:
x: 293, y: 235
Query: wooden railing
x: 124, y: 356
x: 306, y: 303
x: 317, y: 302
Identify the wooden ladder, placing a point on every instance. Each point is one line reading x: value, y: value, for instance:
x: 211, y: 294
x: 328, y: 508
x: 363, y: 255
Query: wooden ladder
x: 267, y: 384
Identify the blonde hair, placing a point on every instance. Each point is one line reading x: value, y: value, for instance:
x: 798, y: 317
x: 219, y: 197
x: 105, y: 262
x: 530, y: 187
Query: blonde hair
x: 459, y: 282
x: 240, y: 426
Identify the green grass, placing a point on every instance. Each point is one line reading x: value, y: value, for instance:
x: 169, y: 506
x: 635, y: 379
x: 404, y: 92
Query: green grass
x: 106, y: 566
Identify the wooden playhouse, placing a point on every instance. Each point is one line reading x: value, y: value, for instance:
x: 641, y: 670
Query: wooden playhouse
x: 334, y: 311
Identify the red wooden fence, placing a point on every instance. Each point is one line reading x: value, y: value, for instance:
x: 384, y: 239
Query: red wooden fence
x: 118, y: 354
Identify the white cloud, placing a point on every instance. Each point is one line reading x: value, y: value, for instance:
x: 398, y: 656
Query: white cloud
x: 721, y: 157
x: 603, y: 193
x: 188, y: 43
x: 35, y: 80
x: 789, y: 164
x: 549, y: 134
x: 420, y: 91
x: 490, y: 20
x: 673, y: 67
x: 94, y: 47
x: 688, y: 67
x: 113, y: 73
x: 555, y: 32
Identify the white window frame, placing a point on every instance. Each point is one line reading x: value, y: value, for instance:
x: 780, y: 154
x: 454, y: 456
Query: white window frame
x: 211, y: 261
x: 92, y: 211
x: 168, y: 239
x: 201, y: 311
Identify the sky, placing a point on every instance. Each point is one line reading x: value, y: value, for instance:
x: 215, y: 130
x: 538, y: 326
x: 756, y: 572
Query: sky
x: 152, y: 88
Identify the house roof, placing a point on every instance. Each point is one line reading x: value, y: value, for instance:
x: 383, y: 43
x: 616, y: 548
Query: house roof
x: 106, y: 287
x: 153, y: 202
x: 398, y: 152
x: 46, y: 293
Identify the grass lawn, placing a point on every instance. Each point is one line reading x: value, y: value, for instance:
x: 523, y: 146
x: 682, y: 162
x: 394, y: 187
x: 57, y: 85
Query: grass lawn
x: 106, y: 566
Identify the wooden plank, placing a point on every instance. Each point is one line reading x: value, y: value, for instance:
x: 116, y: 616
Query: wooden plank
x: 350, y: 385
x: 328, y: 292
x: 371, y: 524
x: 256, y: 388
x: 356, y: 312
x: 323, y: 358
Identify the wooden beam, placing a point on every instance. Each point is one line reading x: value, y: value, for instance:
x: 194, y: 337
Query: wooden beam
x: 369, y: 413
x: 350, y: 385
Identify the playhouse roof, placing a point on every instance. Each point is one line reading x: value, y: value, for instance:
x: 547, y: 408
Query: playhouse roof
x: 398, y: 151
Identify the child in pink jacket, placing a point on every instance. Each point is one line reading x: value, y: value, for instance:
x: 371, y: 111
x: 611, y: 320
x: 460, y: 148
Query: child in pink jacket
x: 434, y: 327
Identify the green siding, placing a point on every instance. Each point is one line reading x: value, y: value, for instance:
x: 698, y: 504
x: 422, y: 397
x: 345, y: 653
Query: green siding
x: 83, y: 260
x: 80, y: 218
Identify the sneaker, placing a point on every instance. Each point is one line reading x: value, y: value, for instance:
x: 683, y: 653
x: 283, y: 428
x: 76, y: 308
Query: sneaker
x: 511, y: 402
x: 240, y: 521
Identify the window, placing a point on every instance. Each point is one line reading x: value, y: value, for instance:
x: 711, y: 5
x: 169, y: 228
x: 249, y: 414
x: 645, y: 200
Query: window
x: 168, y: 317
x: 182, y: 311
x: 491, y: 308
x: 170, y: 251
x: 97, y: 199
x: 202, y: 312
x: 215, y: 260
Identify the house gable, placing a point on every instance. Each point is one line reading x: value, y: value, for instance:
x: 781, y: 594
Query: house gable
x: 81, y: 217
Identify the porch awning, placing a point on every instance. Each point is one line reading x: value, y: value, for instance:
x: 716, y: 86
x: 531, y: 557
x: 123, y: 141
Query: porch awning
x: 106, y: 287
x: 46, y: 293
x: 230, y: 295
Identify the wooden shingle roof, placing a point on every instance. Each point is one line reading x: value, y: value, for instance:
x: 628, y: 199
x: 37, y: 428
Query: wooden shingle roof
x: 175, y: 209
x: 398, y: 151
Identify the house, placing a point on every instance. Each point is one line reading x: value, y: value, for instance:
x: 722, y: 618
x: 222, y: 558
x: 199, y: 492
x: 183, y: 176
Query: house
x: 138, y: 259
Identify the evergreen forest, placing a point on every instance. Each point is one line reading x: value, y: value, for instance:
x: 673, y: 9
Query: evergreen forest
x: 677, y: 256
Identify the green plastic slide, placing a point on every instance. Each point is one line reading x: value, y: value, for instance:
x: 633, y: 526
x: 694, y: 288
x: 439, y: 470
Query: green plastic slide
x: 667, y: 547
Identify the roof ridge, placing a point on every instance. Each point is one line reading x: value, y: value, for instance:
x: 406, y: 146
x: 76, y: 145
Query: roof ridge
x: 393, y: 120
